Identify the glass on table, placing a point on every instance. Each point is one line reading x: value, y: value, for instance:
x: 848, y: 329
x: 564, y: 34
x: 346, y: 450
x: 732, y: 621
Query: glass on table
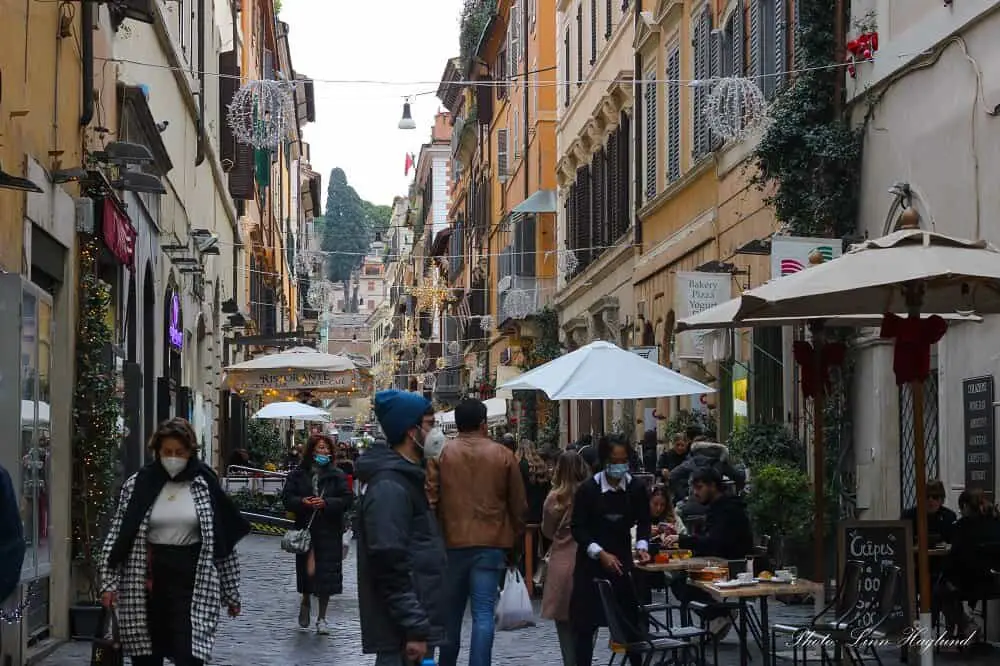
x: 793, y: 573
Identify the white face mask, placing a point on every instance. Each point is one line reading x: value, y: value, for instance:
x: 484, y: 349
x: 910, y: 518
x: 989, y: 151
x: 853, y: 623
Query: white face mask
x: 434, y: 442
x: 174, y: 466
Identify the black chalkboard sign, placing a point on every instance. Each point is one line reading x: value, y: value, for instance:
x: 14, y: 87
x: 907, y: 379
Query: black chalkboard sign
x: 878, y: 543
x: 980, y: 438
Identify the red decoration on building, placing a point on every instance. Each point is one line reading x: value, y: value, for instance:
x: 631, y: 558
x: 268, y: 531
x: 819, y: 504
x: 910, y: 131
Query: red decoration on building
x: 862, y: 47
x: 119, y: 234
x: 911, y: 360
x: 816, y: 377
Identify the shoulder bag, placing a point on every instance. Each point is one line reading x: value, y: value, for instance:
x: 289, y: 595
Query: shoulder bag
x: 107, y: 651
x: 299, y: 541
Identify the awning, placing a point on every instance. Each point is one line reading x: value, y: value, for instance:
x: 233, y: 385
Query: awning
x: 542, y: 201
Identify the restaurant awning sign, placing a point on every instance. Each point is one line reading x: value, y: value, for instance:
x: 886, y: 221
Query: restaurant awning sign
x: 119, y: 234
x: 791, y: 254
x: 294, y: 380
x: 694, y: 293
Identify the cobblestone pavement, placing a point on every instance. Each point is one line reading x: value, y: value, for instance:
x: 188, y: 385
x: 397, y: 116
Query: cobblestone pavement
x: 267, y: 634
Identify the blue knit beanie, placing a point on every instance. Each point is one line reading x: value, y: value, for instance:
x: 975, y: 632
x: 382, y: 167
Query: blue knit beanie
x: 398, y: 411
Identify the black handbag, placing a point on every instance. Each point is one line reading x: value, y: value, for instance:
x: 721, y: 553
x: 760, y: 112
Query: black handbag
x: 107, y: 650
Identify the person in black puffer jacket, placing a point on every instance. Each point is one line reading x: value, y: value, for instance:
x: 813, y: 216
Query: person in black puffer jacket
x: 402, y: 562
x: 704, y: 454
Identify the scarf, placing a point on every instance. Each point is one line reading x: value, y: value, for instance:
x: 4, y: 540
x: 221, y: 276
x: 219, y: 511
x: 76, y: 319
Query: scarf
x: 228, y: 523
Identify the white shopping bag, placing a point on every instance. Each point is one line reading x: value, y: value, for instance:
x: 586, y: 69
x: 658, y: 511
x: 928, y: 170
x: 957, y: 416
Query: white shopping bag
x: 348, y: 537
x: 514, y: 609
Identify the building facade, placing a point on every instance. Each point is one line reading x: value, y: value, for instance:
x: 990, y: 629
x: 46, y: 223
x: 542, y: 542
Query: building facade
x: 595, y: 215
x: 941, y: 153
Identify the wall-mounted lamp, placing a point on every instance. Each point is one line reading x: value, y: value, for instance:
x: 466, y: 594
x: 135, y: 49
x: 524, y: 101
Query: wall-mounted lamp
x: 11, y: 182
x: 69, y: 175
x: 136, y: 181
x: 122, y: 152
x: 407, y: 122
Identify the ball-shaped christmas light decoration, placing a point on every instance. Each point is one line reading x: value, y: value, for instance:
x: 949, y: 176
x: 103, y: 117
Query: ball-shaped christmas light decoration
x: 734, y: 107
x: 320, y: 294
x: 454, y: 347
x: 260, y: 113
x: 567, y: 262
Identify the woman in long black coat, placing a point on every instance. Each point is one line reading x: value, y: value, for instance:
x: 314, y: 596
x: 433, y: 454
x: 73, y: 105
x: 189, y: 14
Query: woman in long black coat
x: 606, y: 508
x: 317, y: 491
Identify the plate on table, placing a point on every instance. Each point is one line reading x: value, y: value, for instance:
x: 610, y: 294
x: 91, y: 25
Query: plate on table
x: 776, y: 580
x: 729, y: 584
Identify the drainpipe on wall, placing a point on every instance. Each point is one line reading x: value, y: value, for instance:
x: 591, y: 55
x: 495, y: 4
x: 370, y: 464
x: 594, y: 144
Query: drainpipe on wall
x: 200, y: 157
x: 87, y: 48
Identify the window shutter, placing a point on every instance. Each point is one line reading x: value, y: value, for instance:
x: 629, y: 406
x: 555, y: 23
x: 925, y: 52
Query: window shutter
x: 614, y: 182
x: 673, y: 116
x: 515, y: 141
x: 567, y: 69
x: 593, y: 31
x: 650, y: 118
x: 780, y: 43
x: 514, y: 37
x: 624, y: 168
x: 600, y: 200
x: 739, y: 47
x: 756, y: 61
x: 229, y: 83
x: 608, y: 18
x: 502, y: 154
x: 268, y: 65
x: 715, y: 71
x: 526, y: 246
x: 241, y: 177
x: 583, y: 211
x: 799, y: 56
x: 701, y: 69
x: 579, y: 45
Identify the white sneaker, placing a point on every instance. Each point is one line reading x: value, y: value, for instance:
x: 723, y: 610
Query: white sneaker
x: 322, y: 628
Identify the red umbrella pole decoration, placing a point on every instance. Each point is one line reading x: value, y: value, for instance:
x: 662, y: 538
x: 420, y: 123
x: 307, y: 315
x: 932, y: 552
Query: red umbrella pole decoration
x: 816, y: 363
x: 911, y: 362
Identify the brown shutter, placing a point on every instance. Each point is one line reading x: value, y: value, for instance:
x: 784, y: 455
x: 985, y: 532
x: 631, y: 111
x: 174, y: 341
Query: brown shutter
x: 229, y: 83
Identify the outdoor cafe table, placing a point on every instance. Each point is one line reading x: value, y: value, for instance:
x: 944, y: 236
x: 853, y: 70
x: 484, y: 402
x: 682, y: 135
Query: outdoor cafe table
x: 678, y: 564
x: 759, y: 592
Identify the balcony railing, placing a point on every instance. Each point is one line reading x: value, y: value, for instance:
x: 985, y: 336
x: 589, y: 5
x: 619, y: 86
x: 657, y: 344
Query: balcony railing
x: 526, y: 296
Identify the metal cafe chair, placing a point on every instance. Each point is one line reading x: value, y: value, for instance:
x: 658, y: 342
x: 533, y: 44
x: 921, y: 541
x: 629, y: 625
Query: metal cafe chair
x: 628, y: 639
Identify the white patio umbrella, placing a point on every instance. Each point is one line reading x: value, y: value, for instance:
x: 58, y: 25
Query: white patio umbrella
x: 724, y: 316
x: 297, y: 358
x: 496, y: 411
x: 911, y: 270
x: 603, y: 371
x: 954, y: 275
x: 292, y: 410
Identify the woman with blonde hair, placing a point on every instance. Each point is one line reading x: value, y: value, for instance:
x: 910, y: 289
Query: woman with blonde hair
x: 571, y: 470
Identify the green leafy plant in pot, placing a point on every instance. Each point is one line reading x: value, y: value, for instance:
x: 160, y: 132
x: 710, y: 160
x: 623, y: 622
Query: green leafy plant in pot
x: 780, y: 504
x: 96, y: 437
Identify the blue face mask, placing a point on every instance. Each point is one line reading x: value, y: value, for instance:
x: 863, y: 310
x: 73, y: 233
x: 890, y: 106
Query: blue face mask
x: 616, y: 471
x: 321, y: 459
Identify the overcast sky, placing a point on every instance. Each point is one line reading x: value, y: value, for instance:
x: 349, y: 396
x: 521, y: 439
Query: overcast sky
x: 390, y: 40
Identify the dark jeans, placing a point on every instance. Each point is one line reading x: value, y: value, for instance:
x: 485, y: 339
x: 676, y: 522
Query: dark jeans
x: 685, y: 594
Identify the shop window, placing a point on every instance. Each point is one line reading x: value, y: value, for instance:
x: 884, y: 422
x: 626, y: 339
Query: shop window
x: 36, y: 368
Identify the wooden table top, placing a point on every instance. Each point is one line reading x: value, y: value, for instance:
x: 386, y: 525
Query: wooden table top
x: 682, y: 565
x: 800, y: 587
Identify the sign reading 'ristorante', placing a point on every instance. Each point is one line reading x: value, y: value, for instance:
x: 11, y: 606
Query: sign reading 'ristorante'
x: 294, y: 379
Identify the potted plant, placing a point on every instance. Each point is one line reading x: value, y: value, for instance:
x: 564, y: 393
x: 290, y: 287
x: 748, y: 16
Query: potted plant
x: 264, y: 443
x: 96, y: 439
x: 781, y: 506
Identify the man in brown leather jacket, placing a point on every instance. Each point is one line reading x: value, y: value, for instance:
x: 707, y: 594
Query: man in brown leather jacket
x: 476, y: 488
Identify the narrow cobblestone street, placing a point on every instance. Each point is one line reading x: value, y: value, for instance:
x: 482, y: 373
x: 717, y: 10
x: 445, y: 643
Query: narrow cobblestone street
x: 267, y: 635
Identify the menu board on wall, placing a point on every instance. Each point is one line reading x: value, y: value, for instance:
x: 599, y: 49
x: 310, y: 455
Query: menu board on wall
x: 697, y: 292
x: 878, y: 544
x: 980, y: 437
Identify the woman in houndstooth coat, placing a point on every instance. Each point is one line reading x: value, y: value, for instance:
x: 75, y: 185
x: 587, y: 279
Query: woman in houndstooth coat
x: 169, y: 562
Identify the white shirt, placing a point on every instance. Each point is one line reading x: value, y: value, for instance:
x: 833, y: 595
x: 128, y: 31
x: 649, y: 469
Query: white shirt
x: 174, y: 519
x: 594, y: 550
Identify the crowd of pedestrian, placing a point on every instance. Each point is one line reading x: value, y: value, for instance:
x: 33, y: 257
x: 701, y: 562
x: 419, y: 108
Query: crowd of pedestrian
x: 438, y: 522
